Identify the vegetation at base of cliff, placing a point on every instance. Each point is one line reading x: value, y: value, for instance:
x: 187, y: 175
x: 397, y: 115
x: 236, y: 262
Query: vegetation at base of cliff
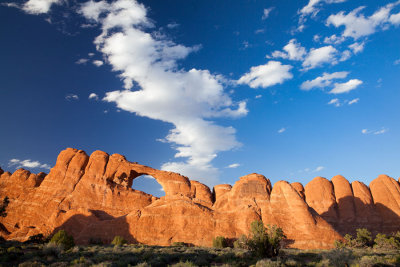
x: 62, y: 239
x: 363, y: 239
x: 51, y: 254
x: 118, y: 241
x: 262, y: 241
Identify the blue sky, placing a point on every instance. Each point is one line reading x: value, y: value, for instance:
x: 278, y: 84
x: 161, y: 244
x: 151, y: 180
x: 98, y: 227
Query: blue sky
x: 211, y: 89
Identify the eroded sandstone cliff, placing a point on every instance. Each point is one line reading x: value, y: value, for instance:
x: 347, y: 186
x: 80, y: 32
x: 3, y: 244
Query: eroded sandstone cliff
x: 92, y: 198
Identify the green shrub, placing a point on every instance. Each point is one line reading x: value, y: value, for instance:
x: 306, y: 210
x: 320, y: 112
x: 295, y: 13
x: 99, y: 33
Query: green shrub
x: 241, y: 242
x: 338, y: 244
x: 364, y: 238
x: 339, y: 257
x: 265, y: 242
x: 13, y: 250
x: 119, y: 241
x: 386, y: 242
x: 52, y: 249
x: 220, y: 242
x: 63, y: 239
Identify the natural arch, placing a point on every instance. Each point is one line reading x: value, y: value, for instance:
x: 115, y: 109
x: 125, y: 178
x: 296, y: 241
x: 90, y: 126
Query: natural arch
x: 149, y: 185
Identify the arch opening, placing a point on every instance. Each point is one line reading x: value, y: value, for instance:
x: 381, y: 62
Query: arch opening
x: 148, y: 184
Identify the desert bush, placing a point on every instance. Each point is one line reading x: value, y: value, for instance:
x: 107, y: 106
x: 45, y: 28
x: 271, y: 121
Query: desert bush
x: 370, y: 261
x: 63, y: 239
x: 265, y: 242
x: 52, y: 249
x: 383, y: 241
x: 13, y: 250
x: 31, y: 264
x: 363, y: 238
x: 241, y: 242
x: 338, y: 244
x: 269, y: 263
x: 118, y: 241
x: 339, y: 257
x: 220, y: 242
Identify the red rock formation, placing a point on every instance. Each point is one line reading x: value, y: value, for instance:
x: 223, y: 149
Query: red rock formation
x: 321, y: 197
x: 91, y: 197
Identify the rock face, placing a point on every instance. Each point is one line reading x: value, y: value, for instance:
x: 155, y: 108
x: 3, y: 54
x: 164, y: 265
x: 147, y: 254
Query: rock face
x: 91, y: 198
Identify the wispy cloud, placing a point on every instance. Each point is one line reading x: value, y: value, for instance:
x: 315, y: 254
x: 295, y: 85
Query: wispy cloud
x: 375, y: 132
x: 281, y: 130
x: 98, y: 63
x: 27, y: 163
x: 357, y: 25
x: 172, y: 25
x: 318, y: 169
x: 354, y: 101
x: 71, y: 97
x: 81, y: 61
x: 233, y: 165
x: 335, y: 102
x: 266, y: 13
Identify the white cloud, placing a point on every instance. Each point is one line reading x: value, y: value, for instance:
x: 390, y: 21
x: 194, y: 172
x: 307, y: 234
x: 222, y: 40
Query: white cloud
x: 354, y: 101
x: 82, y: 61
x: 395, y: 19
x: 39, y: 6
x: 172, y: 25
x: 233, y: 165
x: 357, y: 25
x: 312, y: 8
x: 98, y: 63
x: 166, y: 92
x: 323, y: 81
x: 293, y: 51
x: 27, y: 164
x: 94, y: 96
x: 266, y: 13
x: 345, y: 55
x: 333, y: 39
x: 259, y: 31
x: 281, y: 130
x: 357, y: 47
x: 266, y: 75
x: 318, y: 56
x: 335, y: 102
x: 258, y: 96
x: 382, y: 131
x: 375, y: 132
x: 396, y: 62
x: 340, y: 88
x: 91, y: 54
x: 71, y: 97
x: 319, y: 168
